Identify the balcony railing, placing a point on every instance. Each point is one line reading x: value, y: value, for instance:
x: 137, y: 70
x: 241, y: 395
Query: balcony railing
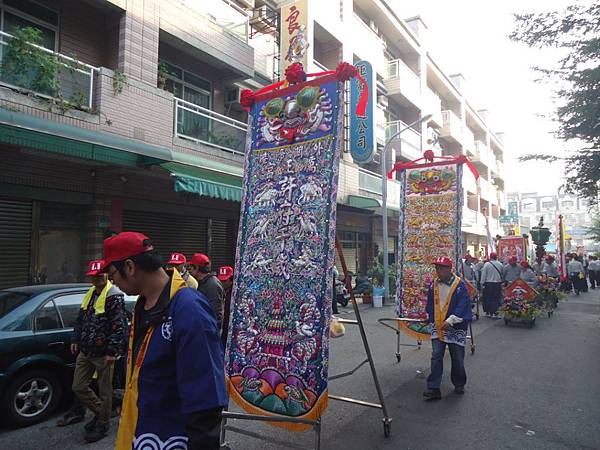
x: 369, y: 181
x: 410, y: 137
x: 205, y: 126
x: 72, y: 83
x: 224, y: 13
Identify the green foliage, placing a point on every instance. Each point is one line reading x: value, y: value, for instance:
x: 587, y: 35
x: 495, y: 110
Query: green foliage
x: 163, y: 71
x: 27, y: 66
x: 593, y: 232
x: 575, y: 30
x: 119, y: 81
x: 377, y: 274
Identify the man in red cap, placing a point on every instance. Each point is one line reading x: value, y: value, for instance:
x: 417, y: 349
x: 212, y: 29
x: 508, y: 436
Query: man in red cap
x: 179, y: 261
x: 449, y: 313
x: 99, y: 336
x: 208, y: 284
x: 511, y: 271
x: 175, y: 389
x: 491, y: 282
x: 225, y: 276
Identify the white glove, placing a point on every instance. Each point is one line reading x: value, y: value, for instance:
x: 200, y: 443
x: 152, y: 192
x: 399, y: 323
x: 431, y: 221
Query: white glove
x: 453, y: 320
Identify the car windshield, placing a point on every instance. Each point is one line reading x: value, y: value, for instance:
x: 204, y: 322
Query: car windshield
x: 10, y: 300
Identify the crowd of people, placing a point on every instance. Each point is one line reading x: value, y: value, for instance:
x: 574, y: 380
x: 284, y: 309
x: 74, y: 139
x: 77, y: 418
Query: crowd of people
x: 490, y: 276
x: 182, y: 310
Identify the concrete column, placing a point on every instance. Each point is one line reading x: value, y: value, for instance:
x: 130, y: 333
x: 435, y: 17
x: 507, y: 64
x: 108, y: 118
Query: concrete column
x: 138, y: 40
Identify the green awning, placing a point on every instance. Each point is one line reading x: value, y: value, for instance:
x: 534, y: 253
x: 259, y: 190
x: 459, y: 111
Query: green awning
x: 373, y: 204
x: 205, y: 182
x: 358, y: 201
x: 33, y: 132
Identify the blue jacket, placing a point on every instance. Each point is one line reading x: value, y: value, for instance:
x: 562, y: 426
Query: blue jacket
x: 178, y: 371
x: 460, y: 306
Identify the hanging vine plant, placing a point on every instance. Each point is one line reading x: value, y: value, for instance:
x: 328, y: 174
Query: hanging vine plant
x: 26, y: 66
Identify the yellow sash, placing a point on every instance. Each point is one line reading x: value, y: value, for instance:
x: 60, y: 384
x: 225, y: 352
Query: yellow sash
x: 440, y: 313
x: 100, y: 301
x: 129, y: 411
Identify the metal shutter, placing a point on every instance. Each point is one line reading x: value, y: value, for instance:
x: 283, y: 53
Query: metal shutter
x: 169, y: 232
x: 223, y: 233
x: 15, y: 242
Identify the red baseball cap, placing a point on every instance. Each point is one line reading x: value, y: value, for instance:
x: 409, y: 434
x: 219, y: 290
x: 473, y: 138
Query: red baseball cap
x: 512, y: 260
x: 225, y: 273
x: 95, y: 267
x: 125, y: 245
x: 524, y: 264
x: 443, y: 261
x: 493, y: 255
x: 200, y: 260
x: 177, y: 258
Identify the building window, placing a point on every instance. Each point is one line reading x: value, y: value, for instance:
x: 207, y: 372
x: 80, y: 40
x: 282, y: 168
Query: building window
x: 193, y: 89
x: 15, y: 14
x: 548, y: 204
x: 187, y: 86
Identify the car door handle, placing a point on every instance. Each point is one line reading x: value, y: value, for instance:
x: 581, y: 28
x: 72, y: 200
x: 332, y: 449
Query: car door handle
x: 56, y: 344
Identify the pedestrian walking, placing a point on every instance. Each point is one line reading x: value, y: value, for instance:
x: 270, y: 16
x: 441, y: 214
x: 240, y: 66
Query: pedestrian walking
x: 594, y: 271
x: 491, y: 281
x: 98, y: 341
x: 511, y: 271
x: 208, y: 284
x: 577, y: 275
x: 449, y: 314
x: 468, y: 270
x: 179, y: 262
x: 226, y: 278
x: 549, y: 267
x: 527, y: 274
x: 175, y: 389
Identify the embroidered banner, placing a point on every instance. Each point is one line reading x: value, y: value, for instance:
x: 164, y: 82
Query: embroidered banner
x: 277, y: 352
x: 512, y: 246
x: 430, y: 221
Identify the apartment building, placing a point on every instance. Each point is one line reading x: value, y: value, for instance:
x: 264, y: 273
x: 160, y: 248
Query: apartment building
x: 141, y: 128
x: 575, y: 211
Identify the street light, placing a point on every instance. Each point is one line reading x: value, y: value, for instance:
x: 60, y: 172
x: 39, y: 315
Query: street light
x: 386, y: 265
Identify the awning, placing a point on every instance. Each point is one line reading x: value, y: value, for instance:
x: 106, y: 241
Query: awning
x: 33, y: 132
x: 370, y: 203
x: 205, y: 182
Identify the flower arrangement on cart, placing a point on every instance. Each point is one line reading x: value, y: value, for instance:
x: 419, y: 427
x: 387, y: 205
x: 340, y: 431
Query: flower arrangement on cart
x: 517, y: 309
x: 548, y: 294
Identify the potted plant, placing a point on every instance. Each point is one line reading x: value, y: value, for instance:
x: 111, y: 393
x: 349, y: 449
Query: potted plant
x: 516, y: 309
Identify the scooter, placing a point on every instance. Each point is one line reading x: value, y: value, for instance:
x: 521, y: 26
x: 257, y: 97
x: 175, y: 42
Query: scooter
x: 342, y: 296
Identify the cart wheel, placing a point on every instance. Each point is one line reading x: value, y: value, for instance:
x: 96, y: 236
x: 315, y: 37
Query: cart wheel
x: 472, y: 349
x: 387, y: 428
x: 398, y: 357
x: 419, y: 343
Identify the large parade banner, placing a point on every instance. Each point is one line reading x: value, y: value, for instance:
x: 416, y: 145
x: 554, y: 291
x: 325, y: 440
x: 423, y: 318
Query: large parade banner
x: 277, y: 352
x: 510, y: 246
x: 429, y: 227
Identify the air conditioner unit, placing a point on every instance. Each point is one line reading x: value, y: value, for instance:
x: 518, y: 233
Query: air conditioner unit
x: 382, y: 100
x: 373, y: 26
x: 232, y: 95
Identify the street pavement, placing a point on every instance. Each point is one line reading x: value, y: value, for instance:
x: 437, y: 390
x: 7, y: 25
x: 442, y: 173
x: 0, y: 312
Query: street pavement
x: 527, y: 388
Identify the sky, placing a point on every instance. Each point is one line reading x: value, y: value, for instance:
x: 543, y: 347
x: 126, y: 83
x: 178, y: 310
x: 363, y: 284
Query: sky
x: 471, y: 37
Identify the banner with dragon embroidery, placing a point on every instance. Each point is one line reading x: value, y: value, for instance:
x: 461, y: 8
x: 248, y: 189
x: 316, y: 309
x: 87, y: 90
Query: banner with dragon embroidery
x: 430, y: 226
x: 277, y: 352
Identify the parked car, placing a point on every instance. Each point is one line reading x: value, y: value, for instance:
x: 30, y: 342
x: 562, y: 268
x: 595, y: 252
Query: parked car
x: 36, y: 365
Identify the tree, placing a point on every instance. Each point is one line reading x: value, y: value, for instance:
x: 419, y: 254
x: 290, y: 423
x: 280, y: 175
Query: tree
x: 576, y: 30
x: 593, y: 232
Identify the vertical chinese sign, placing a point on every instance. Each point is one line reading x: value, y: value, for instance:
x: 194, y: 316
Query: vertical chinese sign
x: 294, y: 35
x: 362, y: 129
x: 429, y: 227
x: 277, y: 355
